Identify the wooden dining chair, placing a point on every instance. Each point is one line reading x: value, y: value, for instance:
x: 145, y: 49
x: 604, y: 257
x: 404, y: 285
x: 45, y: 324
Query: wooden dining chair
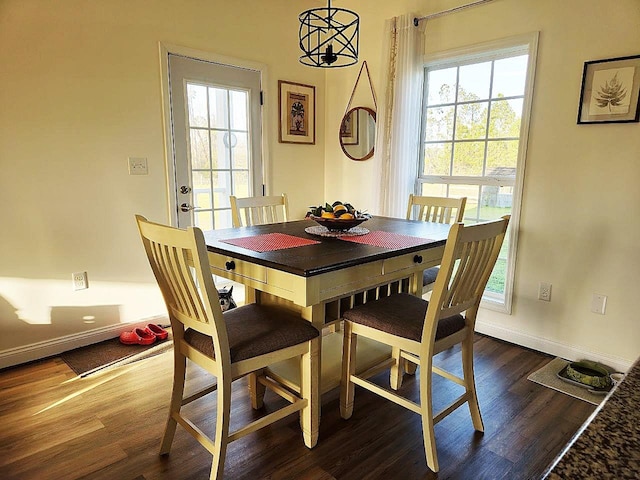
x: 240, y: 342
x: 259, y: 210
x: 438, y: 210
x: 419, y: 329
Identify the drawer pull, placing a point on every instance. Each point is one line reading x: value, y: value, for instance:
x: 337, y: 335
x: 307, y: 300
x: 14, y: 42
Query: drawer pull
x: 230, y: 265
x: 417, y: 259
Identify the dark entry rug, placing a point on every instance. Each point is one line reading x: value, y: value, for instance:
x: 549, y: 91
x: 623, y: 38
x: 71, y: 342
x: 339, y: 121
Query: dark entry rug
x: 110, y: 353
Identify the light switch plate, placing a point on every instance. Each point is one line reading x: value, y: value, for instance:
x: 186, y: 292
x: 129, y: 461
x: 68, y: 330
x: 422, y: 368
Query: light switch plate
x: 138, y: 166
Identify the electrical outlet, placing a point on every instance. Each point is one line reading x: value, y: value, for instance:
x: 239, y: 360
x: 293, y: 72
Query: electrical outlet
x: 544, y: 291
x: 138, y: 166
x: 80, y: 280
x: 598, y: 303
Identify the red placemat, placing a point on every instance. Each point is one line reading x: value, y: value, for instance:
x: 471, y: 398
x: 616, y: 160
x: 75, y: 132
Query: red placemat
x: 269, y: 242
x: 386, y: 239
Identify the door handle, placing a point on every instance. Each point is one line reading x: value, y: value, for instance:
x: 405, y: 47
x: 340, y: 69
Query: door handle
x: 185, y: 207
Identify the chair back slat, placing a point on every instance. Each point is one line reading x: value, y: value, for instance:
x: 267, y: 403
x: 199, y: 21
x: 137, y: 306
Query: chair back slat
x: 180, y: 264
x: 470, y: 255
x: 249, y: 211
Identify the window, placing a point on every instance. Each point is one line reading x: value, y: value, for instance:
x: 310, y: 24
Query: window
x: 474, y: 130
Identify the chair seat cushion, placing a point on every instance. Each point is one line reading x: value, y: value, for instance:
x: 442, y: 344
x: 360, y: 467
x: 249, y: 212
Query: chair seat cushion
x: 254, y: 330
x: 401, y: 315
x: 429, y: 275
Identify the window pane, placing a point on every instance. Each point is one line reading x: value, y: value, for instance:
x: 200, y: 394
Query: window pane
x: 474, y: 82
x: 197, y: 105
x: 502, y: 158
x: 441, y: 86
x: 505, y: 118
x: 199, y: 148
x: 241, y: 183
x: 219, y: 111
x: 471, y: 121
x: 471, y: 207
x: 203, y: 220
x: 219, y: 150
x: 221, y: 189
x: 201, y: 188
x: 509, y: 76
x: 223, y: 218
x: 439, y: 124
x: 240, y: 152
x: 238, y: 110
x: 437, y: 159
x: 468, y: 158
x: 434, y: 190
x: 495, y: 202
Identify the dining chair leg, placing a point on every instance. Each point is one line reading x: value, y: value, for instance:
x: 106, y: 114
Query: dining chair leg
x: 256, y: 389
x: 310, y: 389
x: 347, y: 387
x: 221, y: 439
x: 396, y: 371
x: 470, y: 384
x: 426, y: 408
x: 410, y: 367
x: 177, y: 392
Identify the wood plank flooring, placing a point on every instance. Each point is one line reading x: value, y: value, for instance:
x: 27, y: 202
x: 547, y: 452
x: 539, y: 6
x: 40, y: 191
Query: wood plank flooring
x: 108, y: 426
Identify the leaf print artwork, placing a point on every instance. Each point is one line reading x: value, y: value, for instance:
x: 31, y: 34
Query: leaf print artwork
x: 297, y: 108
x: 610, y: 94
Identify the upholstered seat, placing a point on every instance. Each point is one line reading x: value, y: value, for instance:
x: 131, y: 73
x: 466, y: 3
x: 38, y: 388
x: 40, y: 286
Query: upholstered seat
x: 401, y: 315
x: 254, y: 330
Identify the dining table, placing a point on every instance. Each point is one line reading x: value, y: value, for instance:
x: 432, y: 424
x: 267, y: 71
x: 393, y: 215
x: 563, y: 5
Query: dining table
x: 318, y: 273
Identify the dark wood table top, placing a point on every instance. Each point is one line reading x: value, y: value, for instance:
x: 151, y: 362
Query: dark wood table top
x: 331, y: 253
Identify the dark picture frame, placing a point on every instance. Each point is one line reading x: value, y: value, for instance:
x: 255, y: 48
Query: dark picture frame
x: 296, y: 113
x: 610, y: 91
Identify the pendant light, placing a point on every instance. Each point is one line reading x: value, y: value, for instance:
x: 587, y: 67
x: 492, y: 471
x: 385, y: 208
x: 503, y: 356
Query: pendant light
x: 329, y: 37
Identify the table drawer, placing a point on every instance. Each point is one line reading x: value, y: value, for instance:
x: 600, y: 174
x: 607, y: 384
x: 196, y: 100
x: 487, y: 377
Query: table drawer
x: 411, y: 261
x: 232, y: 268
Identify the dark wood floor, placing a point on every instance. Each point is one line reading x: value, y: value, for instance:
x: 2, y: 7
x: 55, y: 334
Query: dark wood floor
x: 108, y: 426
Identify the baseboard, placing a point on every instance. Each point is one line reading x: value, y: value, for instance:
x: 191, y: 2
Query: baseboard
x: 55, y: 346
x: 563, y: 350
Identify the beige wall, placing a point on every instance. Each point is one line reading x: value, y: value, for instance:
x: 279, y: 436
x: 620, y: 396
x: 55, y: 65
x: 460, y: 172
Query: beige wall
x: 581, y: 202
x: 80, y: 92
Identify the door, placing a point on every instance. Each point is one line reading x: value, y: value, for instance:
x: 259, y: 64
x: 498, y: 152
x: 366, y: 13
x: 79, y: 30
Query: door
x: 216, y: 139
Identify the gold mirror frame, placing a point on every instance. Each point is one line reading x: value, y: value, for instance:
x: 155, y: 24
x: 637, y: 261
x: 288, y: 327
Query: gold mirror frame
x: 357, y: 133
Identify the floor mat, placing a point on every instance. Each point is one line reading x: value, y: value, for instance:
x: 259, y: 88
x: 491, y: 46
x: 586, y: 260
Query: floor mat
x: 109, y: 354
x: 547, y: 376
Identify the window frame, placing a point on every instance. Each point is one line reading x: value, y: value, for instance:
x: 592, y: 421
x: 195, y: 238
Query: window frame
x: 482, y: 52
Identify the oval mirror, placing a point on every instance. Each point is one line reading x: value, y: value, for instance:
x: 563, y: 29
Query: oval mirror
x: 358, y: 133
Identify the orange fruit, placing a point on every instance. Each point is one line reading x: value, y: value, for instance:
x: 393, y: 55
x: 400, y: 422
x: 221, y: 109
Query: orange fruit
x: 346, y: 216
x: 328, y: 215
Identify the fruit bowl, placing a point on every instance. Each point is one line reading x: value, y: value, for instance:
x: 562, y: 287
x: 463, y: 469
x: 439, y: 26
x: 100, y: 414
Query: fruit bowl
x: 339, y: 224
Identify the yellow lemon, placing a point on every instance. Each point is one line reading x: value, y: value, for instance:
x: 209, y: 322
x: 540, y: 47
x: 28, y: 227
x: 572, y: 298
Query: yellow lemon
x: 346, y: 216
x: 328, y: 215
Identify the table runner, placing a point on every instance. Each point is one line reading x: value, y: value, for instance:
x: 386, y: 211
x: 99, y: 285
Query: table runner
x: 386, y: 239
x: 269, y: 242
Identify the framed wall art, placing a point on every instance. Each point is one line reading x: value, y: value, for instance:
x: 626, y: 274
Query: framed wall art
x: 610, y: 91
x: 349, y: 128
x: 297, y: 110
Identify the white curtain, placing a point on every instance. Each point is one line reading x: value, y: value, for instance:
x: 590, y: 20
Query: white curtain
x: 398, y: 119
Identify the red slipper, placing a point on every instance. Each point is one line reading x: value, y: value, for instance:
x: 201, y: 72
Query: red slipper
x: 158, y: 331
x: 137, y: 336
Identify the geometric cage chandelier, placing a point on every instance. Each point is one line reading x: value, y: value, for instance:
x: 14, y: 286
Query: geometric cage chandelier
x: 329, y: 37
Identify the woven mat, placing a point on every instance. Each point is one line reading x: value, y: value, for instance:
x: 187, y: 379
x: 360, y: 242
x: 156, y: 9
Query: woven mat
x: 547, y: 376
x: 386, y: 240
x: 269, y: 242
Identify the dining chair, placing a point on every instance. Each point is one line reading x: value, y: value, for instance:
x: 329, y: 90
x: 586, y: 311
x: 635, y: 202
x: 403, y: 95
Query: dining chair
x: 419, y: 329
x: 259, y: 210
x: 438, y: 210
x: 240, y: 342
